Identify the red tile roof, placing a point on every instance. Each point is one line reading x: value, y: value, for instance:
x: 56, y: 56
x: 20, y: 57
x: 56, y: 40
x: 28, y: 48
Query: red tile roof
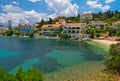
x: 72, y: 24
x: 51, y: 25
x: 75, y: 24
x: 24, y: 24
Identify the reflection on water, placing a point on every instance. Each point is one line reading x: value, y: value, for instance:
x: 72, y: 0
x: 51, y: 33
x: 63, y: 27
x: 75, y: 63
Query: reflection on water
x: 53, y: 54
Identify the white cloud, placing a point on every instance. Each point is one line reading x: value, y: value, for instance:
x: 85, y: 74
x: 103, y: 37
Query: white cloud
x: 17, y: 15
x: 14, y: 2
x: 104, y: 8
x: 109, y: 1
x: 88, y: 12
x: 12, y: 9
x: 95, y: 4
x: 34, y: 1
x: 62, y: 7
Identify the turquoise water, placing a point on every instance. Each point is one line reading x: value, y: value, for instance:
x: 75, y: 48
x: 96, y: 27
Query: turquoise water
x: 7, y: 53
x: 66, y: 58
x: 47, y: 55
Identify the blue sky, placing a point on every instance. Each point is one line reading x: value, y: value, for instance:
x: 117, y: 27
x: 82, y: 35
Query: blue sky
x: 31, y: 11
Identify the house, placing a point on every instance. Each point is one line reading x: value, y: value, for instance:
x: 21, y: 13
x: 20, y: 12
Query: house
x: 3, y: 29
x: 50, y: 29
x: 26, y: 28
x: 97, y: 23
x: 74, y: 30
x: 86, y: 15
x: 53, y: 29
x: 116, y: 25
x: 61, y: 20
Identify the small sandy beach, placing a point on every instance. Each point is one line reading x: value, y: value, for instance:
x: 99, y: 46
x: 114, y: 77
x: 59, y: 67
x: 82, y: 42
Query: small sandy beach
x: 105, y: 42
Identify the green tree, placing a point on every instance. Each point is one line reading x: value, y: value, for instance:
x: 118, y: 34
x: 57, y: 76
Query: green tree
x: 33, y: 75
x: 16, y: 32
x: 112, y: 62
x: 91, y: 31
x: 118, y: 33
x: 5, y: 76
x: 31, y: 34
x: 64, y: 36
x: 30, y: 75
x: 40, y: 24
x: 53, y: 34
x: 9, y: 32
x: 50, y: 21
x: 97, y: 35
x: 60, y: 30
x: 111, y: 31
x: 19, y: 75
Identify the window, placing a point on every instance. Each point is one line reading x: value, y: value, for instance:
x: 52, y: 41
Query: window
x: 73, y: 31
x: 69, y: 27
x: 69, y: 32
x: 77, y: 31
x: 73, y: 28
x: 78, y: 27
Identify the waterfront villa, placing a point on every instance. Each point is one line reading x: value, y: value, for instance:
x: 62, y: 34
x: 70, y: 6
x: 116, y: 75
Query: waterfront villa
x: 3, y: 29
x: 50, y: 29
x: 74, y: 30
x: 26, y: 28
x: 53, y: 29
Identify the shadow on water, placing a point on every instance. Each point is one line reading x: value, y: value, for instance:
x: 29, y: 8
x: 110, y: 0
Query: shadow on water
x: 92, y: 54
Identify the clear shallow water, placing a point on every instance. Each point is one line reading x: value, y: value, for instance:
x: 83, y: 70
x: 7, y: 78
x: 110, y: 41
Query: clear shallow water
x: 47, y: 55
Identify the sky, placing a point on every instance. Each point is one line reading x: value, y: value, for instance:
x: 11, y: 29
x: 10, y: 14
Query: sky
x: 32, y: 11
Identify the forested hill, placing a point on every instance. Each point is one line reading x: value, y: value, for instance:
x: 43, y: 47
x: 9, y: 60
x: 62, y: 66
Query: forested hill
x: 108, y: 17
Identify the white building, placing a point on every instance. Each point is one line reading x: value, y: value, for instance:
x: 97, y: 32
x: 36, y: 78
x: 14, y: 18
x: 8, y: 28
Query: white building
x: 74, y: 30
x: 86, y: 15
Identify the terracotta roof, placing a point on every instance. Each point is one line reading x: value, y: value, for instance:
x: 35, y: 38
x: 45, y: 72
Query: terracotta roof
x: 24, y: 24
x: 72, y: 24
x: 51, y: 25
